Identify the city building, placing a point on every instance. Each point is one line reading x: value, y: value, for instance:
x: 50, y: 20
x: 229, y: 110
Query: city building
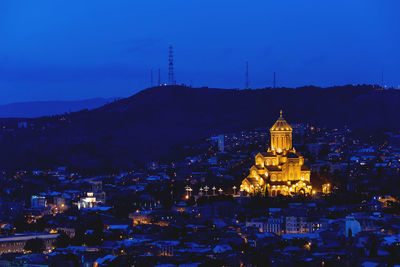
x: 274, y: 225
x: 221, y: 138
x: 220, y: 141
x: 16, y: 243
x: 326, y: 188
x: 280, y: 170
x: 97, y: 190
x: 297, y: 225
x: 88, y: 201
x: 38, y: 202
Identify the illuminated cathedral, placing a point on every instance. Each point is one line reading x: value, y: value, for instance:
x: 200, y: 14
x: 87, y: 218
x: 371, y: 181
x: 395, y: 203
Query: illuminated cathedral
x: 280, y: 170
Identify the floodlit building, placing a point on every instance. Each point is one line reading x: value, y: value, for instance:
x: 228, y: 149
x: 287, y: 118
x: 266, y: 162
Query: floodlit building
x: 326, y: 188
x: 60, y: 203
x: 88, y: 201
x: 280, y: 170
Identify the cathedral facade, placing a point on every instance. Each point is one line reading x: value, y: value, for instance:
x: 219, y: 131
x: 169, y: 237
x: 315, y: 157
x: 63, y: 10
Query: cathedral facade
x: 280, y: 170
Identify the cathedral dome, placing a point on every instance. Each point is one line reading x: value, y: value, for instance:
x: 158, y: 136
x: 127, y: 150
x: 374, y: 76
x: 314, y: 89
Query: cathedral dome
x: 281, y: 125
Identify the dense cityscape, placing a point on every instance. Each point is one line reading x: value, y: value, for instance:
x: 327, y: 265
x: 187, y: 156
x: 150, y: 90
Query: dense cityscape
x: 166, y: 133
x: 194, y: 211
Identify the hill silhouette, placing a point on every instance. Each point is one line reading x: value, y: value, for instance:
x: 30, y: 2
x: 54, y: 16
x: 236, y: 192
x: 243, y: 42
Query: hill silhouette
x: 151, y: 123
x: 47, y: 108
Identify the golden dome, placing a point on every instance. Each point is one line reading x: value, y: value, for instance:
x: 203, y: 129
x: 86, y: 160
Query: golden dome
x: 281, y: 124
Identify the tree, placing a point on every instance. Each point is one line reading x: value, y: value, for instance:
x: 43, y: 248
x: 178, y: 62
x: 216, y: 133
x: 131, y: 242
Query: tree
x: 35, y: 245
x: 216, y: 262
x: 62, y: 240
x: 372, y: 245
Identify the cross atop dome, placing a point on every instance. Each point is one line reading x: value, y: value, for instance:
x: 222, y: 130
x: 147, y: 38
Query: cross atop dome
x: 281, y: 124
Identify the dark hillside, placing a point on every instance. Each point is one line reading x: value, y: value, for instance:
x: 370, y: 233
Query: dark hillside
x: 148, y: 124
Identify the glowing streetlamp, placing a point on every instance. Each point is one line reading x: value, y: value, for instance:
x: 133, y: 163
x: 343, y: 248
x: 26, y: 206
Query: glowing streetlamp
x: 213, y: 189
x: 206, y: 189
x: 234, y: 190
x: 220, y: 191
x: 188, y: 190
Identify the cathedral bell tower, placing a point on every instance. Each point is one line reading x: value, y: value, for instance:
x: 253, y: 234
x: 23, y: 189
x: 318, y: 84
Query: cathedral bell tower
x: 281, y: 135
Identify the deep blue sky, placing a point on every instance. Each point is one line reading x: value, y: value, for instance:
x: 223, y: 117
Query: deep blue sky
x: 81, y: 49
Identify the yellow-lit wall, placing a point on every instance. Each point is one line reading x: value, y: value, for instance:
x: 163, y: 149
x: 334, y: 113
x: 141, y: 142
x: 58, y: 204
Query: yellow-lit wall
x: 281, y: 140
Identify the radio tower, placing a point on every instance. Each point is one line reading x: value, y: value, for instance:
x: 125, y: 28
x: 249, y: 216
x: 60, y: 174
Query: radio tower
x: 171, y: 78
x: 247, y: 75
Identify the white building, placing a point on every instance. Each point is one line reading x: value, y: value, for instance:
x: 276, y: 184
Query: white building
x: 87, y: 202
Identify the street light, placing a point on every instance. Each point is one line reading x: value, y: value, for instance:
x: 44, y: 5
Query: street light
x: 213, y: 189
x: 206, y: 189
x: 220, y: 191
x: 234, y: 190
x: 188, y: 189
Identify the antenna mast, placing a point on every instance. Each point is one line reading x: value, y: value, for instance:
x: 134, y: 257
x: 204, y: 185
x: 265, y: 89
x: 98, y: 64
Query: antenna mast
x: 171, y: 78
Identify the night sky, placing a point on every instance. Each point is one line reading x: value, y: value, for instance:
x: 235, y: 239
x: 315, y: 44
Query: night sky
x: 64, y: 50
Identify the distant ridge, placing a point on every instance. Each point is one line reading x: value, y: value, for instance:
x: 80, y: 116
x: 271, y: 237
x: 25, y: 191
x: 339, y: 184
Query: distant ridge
x: 47, y: 108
